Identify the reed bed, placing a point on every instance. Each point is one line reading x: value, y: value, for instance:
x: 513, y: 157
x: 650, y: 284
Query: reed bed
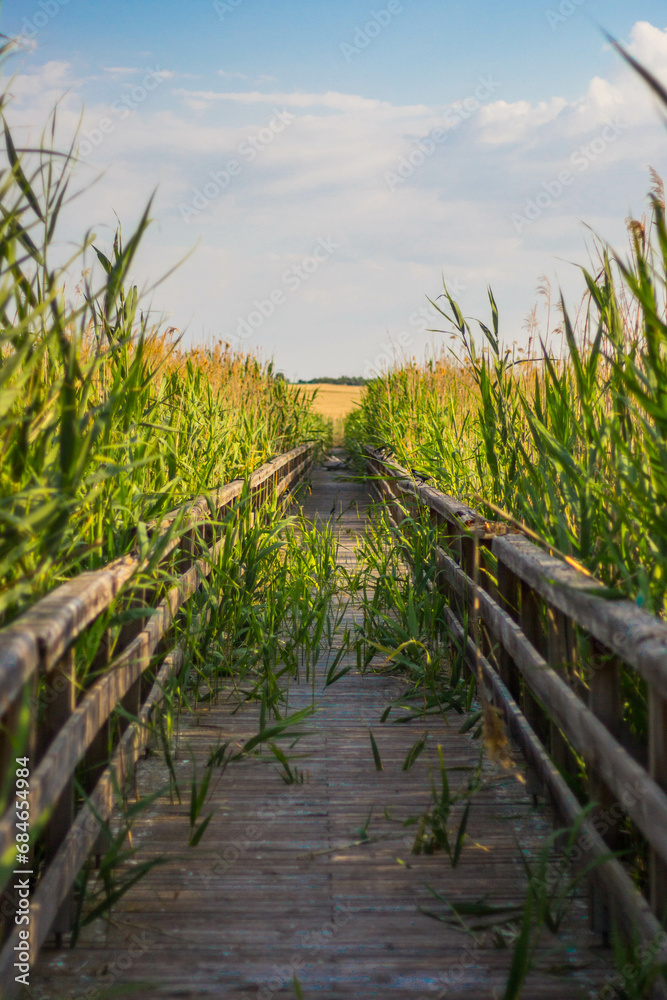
x: 567, y: 434
x: 570, y: 442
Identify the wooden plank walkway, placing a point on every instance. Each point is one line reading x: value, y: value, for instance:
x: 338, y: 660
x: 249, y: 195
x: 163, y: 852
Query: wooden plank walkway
x: 277, y: 885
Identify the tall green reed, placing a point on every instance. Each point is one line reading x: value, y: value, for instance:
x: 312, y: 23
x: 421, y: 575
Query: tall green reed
x: 105, y: 423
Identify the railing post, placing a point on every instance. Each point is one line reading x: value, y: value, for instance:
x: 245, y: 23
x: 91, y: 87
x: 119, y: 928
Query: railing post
x: 604, y: 700
x: 561, y: 655
x: 131, y: 701
x: 60, y: 703
x: 455, y: 541
x: 486, y: 583
x: 508, y: 597
x: 96, y: 757
x: 188, y: 549
x: 532, y: 628
x: 657, y: 737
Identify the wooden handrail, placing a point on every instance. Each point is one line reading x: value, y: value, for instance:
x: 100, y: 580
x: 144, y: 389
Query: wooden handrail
x: 39, y: 644
x: 637, y: 637
x: 545, y: 586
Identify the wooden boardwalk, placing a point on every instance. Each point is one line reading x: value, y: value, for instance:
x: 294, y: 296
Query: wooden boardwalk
x: 278, y: 885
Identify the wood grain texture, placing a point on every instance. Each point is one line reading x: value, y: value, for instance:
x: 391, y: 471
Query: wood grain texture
x: 638, y: 638
x: 629, y: 780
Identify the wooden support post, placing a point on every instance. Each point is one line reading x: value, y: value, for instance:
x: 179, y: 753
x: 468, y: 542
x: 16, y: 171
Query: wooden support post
x: 486, y: 580
x: 605, y: 691
x: 454, y: 542
x: 60, y: 703
x: 96, y: 757
x: 658, y: 769
x: 508, y: 597
x: 561, y: 655
x: 605, y: 701
x: 187, y: 551
x: 472, y: 563
x: 9, y: 731
x: 131, y: 701
x: 487, y: 583
x: 467, y: 549
x: 531, y: 625
x: 468, y: 554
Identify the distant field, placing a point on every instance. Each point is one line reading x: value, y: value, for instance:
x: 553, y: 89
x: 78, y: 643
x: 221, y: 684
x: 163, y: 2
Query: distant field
x: 334, y: 400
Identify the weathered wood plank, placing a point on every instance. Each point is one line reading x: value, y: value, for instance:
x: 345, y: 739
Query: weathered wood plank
x: 638, y: 638
x: 631, y: 909
x: 587, y: 734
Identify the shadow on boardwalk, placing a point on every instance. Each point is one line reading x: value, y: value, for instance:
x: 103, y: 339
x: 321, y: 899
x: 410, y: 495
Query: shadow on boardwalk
x: 280, y: 884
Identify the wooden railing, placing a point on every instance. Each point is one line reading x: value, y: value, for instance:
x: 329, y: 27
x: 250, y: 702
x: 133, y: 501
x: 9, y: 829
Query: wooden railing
x: 73, y: 733
x: 535, y: 613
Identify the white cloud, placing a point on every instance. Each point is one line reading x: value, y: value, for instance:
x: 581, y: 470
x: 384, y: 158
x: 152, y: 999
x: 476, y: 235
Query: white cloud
x: 324, y: 175
x: 331, y: 99
x: 121, y: 70
x: 648, y: 44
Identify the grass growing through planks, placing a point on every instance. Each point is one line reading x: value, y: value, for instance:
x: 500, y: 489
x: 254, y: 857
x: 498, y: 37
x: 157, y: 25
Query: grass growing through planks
x: 551, y: 889
x: 402, y: 620
x: 117, y: 871
x: 638, y: 966
x: 402, y: 624
x: 263, y: 618
x: 434, y: 832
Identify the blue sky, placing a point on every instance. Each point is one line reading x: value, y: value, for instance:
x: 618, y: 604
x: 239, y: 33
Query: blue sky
x: 393, y: 143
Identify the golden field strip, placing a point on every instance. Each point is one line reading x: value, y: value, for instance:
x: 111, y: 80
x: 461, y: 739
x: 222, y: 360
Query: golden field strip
x: 334, y: 401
